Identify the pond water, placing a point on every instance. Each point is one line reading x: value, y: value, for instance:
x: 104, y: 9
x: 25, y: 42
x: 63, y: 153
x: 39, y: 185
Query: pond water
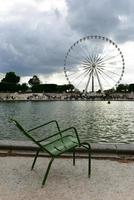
x: 96, y: 121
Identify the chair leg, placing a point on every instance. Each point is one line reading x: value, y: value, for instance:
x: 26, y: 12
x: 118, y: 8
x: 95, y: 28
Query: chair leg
x: 46, y: 174
x: 73, y: 157
x: 35, y: 158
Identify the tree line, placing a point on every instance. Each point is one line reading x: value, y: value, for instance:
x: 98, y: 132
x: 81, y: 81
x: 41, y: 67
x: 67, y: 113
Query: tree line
x: 11, y: 83
x: 121, y: 88
x: 124, y: 88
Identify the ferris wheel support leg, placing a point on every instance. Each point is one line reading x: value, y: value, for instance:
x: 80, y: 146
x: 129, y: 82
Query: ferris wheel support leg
x: 87, y: 84
x: 92, y: 82
x: 99, y: 81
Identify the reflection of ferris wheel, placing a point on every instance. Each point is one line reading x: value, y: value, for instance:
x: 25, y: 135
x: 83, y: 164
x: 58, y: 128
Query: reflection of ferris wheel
x: 94, y: 63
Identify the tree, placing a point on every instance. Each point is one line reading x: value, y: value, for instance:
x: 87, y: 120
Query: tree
x: 70, y: 88
x: 9, y: 87
x: 34, y: 81
x: 122, y: 88
x: 65, y: 88
x: 11, y: 78
x: 131, y: 87
x: 23, y: 87
x: 10, y: 82
x: 44, y: 88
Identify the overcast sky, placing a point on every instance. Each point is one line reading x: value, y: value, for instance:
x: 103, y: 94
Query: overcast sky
x: 36, y: 34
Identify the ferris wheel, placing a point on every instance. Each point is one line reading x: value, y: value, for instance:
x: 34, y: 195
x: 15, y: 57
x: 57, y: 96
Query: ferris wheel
x: 94, y: 63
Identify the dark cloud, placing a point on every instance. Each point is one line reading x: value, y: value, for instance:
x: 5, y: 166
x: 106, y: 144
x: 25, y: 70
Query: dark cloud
x: 106, y: 17
x: 34, y: 41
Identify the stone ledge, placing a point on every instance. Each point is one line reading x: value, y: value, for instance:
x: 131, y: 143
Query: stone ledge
x: 115, y: 148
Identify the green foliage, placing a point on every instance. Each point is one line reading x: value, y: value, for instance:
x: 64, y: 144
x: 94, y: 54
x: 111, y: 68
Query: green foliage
x: 122, y: 88
x: 52, y: 88
x: 11, y: 78
x: 110, y: 91
x: 65, y: 88
x: 44, y: 88
x: 9, y: 87
x: 10, y: 83
x: 34, y: 81
x: 131, y: 87
x: 23, y: 87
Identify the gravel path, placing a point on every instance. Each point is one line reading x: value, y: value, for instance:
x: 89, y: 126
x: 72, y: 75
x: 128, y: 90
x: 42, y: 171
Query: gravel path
x: 110, y: 180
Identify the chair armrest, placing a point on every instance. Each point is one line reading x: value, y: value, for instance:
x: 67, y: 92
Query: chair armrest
x: 60, y: 133
x: 75, y: 132
x: 87, y: 144
x: 53, y: 121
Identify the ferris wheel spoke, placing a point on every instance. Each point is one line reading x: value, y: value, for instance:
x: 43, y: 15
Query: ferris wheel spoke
x: 113, y: 63
x: 82, y: 80
x: 110, y: 66
x: 99, y: 60
x: 107, y: 75
x: 74, y: 58
x: 87, y: 43
x: 73, y: 69
x: 86, y: 64
x: 78, y: 57
x: 104, y: 78
x: 101, y: 66
x: 86, y: 61
x: 87, y: 67
x: 90, y: 59
x: 109, y: 58
x: 96, y: 58
x: 93, y: 57
x: 75, y: 66
x: 89, y: 52
x: 110, y: 62
x: 80, y: 71
x: 71, y: 74
x: 80, y: 54
x: 112, y: 51
x: 105, y: 65
x: 96, y: 49
x: 112, y: 72
x: 89, y: 55
x: 110, y: 69
x: 85, y: 53
x: 81, y: 74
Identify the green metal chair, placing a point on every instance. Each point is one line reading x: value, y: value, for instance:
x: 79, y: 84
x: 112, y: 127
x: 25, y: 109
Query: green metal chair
x: 56, y: 144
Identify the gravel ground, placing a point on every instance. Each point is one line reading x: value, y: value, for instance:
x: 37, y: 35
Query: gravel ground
x: 110, y: 180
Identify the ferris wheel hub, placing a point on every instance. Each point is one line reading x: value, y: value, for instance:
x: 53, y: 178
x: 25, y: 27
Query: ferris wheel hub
x: 93, y: 65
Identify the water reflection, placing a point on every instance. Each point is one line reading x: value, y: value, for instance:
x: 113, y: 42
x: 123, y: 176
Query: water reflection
x: 95, y: 121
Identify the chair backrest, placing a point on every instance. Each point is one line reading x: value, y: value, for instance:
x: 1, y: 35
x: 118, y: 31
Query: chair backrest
x: 27, y: 134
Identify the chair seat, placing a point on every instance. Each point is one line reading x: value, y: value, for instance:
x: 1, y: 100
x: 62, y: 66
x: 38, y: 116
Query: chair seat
x: 61, y: 145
